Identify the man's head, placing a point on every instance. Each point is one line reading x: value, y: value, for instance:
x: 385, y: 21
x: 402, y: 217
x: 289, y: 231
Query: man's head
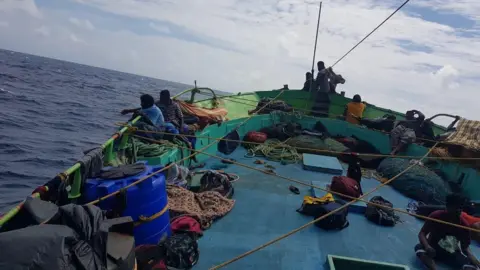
x: 320, y: 65
x: 410, y: 115
x: 308, y: 75
x: 165, y: 96
x: 146, y: 101
x: 357, y: 98
x: 454, y: 204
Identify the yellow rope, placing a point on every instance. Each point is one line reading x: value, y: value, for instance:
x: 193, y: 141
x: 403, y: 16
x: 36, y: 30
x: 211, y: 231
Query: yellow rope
x: 173, y: 163
x: 133, y: 129
x: 143, y: 219
x: 317, y: 219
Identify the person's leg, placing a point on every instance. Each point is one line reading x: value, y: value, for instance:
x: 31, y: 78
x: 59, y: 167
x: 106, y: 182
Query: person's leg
x: 424, y: 257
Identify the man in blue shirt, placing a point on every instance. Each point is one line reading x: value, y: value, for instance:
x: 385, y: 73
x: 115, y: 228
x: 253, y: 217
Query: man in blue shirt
x: 149, y: 110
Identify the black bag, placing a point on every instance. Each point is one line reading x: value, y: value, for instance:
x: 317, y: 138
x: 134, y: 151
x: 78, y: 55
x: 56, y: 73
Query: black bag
x: 181, y: 251
x: 336, y: 221
x: 216, y: 181
x: 381, y: 216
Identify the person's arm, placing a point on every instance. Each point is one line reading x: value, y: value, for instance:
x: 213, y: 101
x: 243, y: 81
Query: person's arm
x: 422, y: 236
x: 127, y: 111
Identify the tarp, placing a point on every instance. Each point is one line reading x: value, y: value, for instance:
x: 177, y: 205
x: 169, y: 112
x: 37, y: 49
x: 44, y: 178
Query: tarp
x: 75, y: 238
x: 212, y: 115
x: 467, y: 134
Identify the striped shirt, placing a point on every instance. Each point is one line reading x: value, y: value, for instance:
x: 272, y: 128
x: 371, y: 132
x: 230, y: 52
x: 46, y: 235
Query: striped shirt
x: 171, y: 112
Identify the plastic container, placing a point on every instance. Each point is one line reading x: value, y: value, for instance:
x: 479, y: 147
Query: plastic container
x: 145, y: 199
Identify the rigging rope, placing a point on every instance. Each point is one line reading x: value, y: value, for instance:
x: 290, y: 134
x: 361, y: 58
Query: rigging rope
x: 375, y: 29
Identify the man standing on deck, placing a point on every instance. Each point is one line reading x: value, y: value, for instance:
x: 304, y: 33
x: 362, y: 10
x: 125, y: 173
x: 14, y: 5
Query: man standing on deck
x: 444, y: 242
x: 322, y: 82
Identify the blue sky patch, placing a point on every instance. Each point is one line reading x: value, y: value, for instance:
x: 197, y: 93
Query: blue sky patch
x: 412, y: 46
x: 114, y: 22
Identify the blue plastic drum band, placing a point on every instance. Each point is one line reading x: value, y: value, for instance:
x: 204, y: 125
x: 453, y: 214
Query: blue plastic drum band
x: 142, y: 219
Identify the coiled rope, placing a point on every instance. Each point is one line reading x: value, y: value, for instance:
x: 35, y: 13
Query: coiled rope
x: 275, y: 150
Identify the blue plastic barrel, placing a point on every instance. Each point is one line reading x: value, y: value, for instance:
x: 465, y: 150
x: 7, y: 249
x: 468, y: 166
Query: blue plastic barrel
x: 145, y: 199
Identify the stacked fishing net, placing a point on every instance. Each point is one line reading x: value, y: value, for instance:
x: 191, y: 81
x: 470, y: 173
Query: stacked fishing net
x: 418, y: 183
x: 316, y: 145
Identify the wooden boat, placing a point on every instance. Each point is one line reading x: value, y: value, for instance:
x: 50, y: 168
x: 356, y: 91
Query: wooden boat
x: 265, y: 208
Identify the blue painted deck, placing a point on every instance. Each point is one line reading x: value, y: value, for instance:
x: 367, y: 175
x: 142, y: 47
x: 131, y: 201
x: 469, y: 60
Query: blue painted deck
x: 265, y: 209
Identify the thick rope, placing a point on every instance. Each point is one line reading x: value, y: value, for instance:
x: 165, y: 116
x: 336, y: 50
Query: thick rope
x: 142, y: 219
x: 309, y: 149
x: 317, y: 219
x: 177, y: 162
x: 275, y: 150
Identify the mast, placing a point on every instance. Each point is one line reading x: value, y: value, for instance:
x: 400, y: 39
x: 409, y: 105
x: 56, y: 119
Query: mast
x: 315, y: 46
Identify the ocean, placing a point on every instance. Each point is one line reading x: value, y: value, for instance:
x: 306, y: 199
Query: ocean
x: 51, y: 111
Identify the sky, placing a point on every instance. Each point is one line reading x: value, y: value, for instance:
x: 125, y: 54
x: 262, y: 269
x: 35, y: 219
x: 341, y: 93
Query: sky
x: 426, y: 57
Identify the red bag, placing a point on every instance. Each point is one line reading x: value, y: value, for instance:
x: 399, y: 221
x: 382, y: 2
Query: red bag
x: 256, y: 137
x: 347, y: 186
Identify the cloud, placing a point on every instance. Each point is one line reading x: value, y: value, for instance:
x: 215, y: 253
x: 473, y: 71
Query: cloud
x: 410, y: 62
x: 160, y: 28
x: 86, y: 24
x: 43, y: 31
x: 4, y: 24
x: 27, y: 6
x: 75, y: 39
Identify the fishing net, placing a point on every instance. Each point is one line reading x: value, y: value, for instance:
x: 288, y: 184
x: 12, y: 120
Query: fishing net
x: 312, y: 144
x: 418, y: 183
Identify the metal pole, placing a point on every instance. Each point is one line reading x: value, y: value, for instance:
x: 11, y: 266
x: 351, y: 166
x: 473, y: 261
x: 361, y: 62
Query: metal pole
x: 315, y: 46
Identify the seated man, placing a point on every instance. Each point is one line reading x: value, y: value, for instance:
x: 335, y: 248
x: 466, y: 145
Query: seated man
x: 171, y: 110
x: 354, y: 110
x: 149, y: 110
x: 444, y: 242
x: 406, y: 131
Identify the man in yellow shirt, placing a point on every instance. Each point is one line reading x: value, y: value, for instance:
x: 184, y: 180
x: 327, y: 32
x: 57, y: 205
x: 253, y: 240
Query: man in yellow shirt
x: 354, y: 110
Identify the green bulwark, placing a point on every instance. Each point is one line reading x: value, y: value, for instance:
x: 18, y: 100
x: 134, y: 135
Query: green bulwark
x: 347, y: 263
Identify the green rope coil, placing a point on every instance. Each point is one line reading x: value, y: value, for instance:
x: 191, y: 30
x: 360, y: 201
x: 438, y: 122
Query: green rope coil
x: 275, y: 150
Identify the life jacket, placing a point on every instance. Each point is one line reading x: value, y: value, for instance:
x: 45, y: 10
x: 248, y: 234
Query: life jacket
x: 347, y: 186
x: 356, y: 109
x: 379, y: 215
x: 311, y: 205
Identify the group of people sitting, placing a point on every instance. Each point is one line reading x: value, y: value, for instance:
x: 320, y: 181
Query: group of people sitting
x: 164, y: 113
x: 326, y: 80
x: 402, y: 132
